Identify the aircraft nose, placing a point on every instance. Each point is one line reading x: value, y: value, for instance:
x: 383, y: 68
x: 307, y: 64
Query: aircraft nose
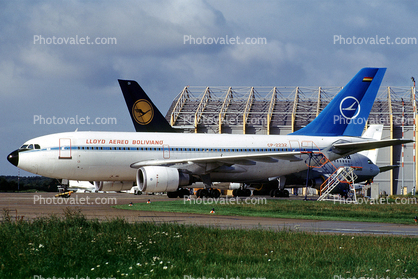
x: 13, y: 158
x: 376, y: 170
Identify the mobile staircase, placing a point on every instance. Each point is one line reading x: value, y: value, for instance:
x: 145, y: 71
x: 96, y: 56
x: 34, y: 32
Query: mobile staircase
x: 340, y: 175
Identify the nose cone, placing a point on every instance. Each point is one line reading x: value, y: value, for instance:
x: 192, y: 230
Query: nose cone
x: 13, y: 158
x: 376, y: 170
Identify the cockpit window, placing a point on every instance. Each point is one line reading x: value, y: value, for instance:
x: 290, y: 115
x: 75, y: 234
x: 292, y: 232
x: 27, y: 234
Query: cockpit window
x: 29, y: 147
x: 369, y: 162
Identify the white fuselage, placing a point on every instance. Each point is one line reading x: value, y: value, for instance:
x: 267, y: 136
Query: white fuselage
x: 107, y: 156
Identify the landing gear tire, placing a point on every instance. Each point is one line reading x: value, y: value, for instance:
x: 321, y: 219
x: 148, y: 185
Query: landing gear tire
x: 286, y: 193
x: 241, y: 193
x: 183, y: 193
x: 208, y: 193
x: 203, y: 193
x: 280, y: 193
x: 214, y: 193
x: 172, y: 195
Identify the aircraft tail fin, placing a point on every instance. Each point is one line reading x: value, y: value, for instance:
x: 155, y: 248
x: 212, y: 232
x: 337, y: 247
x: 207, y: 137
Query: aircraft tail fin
x: 347, y: 113
x: 145, y: 115
x: 374, y: 132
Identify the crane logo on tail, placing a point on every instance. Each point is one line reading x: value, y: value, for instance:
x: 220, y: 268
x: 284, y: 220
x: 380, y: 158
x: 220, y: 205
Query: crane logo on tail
x: 143, y: 112
x: 350, y: 107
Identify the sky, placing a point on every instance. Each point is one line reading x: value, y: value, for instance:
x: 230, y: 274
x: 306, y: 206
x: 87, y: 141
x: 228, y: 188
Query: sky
x: 62, y: 59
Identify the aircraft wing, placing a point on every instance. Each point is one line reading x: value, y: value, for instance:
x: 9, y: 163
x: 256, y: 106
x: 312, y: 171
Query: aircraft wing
x: 354, y: 147
x: 247, y: 159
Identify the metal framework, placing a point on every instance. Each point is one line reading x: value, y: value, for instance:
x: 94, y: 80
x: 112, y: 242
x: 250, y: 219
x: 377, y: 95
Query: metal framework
x: 201, y: 107
x: 184, y: 96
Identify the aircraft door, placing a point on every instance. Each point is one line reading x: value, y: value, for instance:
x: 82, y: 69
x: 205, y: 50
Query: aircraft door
x: 166, y: 151
x: 64, y: 149
x: 309, y: 145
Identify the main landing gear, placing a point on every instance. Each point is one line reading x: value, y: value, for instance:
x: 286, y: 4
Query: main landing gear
x: 208, y: 193
x: 241, y: 192
x: 181, y: 193
x: 279, y: 193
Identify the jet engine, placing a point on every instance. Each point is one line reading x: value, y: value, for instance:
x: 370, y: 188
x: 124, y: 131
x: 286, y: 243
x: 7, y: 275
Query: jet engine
x: 316, y: 182
x: 161, y: 179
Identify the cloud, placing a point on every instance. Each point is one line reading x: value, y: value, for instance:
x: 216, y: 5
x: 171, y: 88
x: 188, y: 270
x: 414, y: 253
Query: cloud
x: 82, y: 79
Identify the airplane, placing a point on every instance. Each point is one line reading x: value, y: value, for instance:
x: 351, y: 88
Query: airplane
x: 171, y: 162
x: 364, y: 162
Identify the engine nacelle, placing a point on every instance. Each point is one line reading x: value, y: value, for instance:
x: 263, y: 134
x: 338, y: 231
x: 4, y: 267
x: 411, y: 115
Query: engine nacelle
x: 316, y: 182
x: 116, y: 186
x: 161, y: 179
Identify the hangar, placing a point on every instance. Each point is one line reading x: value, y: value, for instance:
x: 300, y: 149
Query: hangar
x: 283, y: 109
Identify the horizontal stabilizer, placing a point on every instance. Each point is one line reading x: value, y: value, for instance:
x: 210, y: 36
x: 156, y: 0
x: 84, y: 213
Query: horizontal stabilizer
x: 387, y: 168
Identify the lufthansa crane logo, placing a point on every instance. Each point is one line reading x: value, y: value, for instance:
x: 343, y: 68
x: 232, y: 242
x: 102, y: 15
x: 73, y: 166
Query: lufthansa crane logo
x: 348, y: 107
x: 142, y: 112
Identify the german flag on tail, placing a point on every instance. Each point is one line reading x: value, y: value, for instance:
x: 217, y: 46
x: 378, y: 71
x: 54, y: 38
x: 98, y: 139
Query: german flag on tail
x: 367, y: 79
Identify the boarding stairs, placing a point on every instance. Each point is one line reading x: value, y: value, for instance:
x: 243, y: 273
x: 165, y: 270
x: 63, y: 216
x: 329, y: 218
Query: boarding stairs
x: 341, y: 175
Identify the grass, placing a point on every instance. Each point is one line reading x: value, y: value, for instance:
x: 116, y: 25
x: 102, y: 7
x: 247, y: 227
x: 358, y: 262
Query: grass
x: 387, y: 211
x: 74, y: 246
